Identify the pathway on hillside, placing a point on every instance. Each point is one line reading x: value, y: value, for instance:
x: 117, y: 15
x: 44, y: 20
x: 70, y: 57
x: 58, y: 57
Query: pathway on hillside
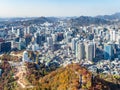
x: 21, y: 74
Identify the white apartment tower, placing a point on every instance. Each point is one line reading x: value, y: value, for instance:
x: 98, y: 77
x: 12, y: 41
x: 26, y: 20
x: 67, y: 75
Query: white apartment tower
x: 80, y: 50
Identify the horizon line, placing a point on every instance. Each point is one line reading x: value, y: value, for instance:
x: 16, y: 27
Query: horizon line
x: 56, y: 16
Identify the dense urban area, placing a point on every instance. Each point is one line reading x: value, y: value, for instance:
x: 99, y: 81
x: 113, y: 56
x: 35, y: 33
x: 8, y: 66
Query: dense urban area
x: 60, y: 53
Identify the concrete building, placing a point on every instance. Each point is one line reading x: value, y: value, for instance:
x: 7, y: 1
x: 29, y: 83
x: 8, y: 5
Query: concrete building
x: 90, y: 51
x: 50, y: 41
x: 54, y: 36
x: 18, y: 32
x: 80, y: 50
x: 73, y: 46
x: 25, y: 56
x: 35, y: 47
x: 112, y: 35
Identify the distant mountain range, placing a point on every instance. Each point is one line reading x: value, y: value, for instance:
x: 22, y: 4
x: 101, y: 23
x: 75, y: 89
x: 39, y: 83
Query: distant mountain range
x: 41, y: 20
x: 86, y: 20
x: 76, y: 21
x: 13, y: 19
x: 115, y: 16
x: 27, y: 21
x: 97, y: 20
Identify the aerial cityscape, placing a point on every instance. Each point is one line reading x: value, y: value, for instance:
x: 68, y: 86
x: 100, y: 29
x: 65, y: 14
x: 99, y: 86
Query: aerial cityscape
x: 59, y: 45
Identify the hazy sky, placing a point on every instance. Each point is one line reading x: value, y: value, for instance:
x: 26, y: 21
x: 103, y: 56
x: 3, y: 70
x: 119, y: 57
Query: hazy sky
x: 26, y: 8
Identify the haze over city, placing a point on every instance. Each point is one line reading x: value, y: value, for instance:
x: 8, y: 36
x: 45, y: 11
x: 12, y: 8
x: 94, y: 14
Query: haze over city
x: 32, y: 8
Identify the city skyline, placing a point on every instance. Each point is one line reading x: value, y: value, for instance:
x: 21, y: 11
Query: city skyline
x: 30, y: 8
x: 59, y: 45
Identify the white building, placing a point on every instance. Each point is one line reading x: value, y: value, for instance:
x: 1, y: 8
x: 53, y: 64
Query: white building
x: 50, y: 41
x: 18, y: 32
x: 13, y: 31
x: 27, y: 30
x: 54, y: 36
x: 35, y: 47
x: 90, y: 51
x: 80, y: 50
x: 25, y: 56
x: 112, y: 35
x: 73, y: 46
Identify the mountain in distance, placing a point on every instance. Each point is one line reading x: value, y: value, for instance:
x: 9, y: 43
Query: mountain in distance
x: 43, y: 19
x: 27, y: 21
x: 97, y: 20
x: 87, y: 20
x: 113, y: 17
x: 39, y: 20
x: 13, y: 19
x: 74, y: 21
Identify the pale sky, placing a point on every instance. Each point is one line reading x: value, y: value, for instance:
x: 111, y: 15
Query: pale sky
x: 31, y: 8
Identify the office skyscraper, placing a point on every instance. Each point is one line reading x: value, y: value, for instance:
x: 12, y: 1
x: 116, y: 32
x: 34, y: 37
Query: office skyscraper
x: 108, y: 52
